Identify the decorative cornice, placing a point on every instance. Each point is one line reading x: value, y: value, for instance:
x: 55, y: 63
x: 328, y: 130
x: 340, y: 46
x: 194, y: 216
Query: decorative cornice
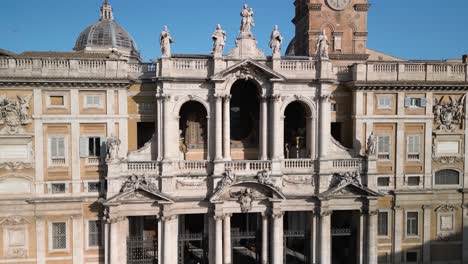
x: 359, y: 57
x: 68, y: 83
x: 362, y: 7
x: 361, y: 34
x: 408, y: 86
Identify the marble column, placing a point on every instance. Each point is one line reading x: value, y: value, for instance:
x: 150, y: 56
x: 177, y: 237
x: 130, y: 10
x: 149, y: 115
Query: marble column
x: 218, y: 128
x: 325, y: 125
x: 276, y: 129
x: 219, y: 239
x: 398, y: 249
x: 211, y: 239
x: 277, y: 247
x: 208, y: 138
x: 312, y: 134
x: 159, y: 128
x: 427, y: 234
x: 118, y: 245
x: 264, y: 128
x: 372, y: 237
x: 40, y: 240
x: 325, y: 237
x: 77, y: 223
x: 169, y: 147
x: 227, y: 127
x: 264, y: 239
x: 170, y: 238
x: 313, y: 237
x: 362, y: 224
x: 227, y: 239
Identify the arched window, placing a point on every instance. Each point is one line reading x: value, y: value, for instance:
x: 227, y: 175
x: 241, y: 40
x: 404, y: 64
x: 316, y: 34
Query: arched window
x: 447, y: 177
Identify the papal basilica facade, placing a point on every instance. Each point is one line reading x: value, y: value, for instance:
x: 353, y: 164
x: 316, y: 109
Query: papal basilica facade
x: 331, y: 153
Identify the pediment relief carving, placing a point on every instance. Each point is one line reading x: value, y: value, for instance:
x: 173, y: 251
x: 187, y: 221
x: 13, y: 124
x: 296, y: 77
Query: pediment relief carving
x: 348, y: 184
x: 248, y: 70
x: 15, y: 220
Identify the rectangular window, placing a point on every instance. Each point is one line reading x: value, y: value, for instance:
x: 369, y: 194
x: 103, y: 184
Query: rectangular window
x: 94, y: 233
x: 57, y: 100
x: 411, y: 257
x: 57, y: 148
x: 414, y: 181
x: 92, y: 100
x: 59, y: 235
x: 383, y: 224
x: 94, y: 187
x: 412, y: 223
x: 384, y: 102
x: 383, y: 181
x: 383, y: 147
x: 333, y: 107
x: 415, y: 102
x: 413, y: 147
x: 57, y: 188
x: 94, y: 146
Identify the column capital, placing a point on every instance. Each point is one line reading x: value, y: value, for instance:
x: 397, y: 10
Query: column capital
x: 218, y: 217
x: 325, y: 98
x: 277, y: 215
x: 373, y: 212
x: 227, y: 97
x: 427, y: 207
x: 218, y: 97
x: 325, y: 212
x: 275, y: 97
x: 168, y: 218
x: 116, y: 219
x: 226, y: 215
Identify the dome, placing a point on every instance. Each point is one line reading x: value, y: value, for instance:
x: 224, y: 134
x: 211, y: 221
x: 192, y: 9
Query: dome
x: 106, y: 36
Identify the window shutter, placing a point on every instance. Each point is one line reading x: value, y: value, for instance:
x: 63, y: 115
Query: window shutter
x: 61, y: 147
x: 52, y: 147
x: 423, y: 102
x: 417, y: 147
x: 407, y: 101
x: 84, y: 147
x: 103, y: 146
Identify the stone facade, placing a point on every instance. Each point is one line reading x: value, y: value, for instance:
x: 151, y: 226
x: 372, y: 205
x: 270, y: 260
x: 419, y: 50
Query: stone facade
x: 243, y: 157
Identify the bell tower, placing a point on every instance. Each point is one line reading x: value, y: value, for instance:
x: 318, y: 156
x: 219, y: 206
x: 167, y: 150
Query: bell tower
x: 343, y: 21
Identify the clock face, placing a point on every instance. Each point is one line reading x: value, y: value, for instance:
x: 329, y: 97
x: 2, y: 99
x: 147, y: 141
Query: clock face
x: 338, y: 4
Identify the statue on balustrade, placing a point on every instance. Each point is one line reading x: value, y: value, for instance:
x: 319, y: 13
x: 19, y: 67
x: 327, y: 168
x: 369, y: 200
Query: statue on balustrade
x: 247, y: 21
x: 165, y: 41
x: 322, y: 46
x: 219, y: 41
x: 275, y: 42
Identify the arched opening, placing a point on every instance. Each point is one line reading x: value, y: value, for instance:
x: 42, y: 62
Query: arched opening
x: 296, y: 131
x: 244, y: 120
x: 447, y: 177
x: 193, y: 131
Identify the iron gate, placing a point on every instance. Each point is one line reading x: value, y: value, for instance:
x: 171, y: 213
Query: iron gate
x: 246, y: 247
x: 142, y: 250
x: 193, y: 248
x: 296, y: 247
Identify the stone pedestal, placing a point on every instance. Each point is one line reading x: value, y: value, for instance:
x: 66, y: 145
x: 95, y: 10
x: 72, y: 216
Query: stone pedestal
x: 246, y: 47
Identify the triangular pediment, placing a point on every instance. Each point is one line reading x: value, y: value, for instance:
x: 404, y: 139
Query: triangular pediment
x: 350, y: 190
x: 140, y: 195
x: 248, y: 69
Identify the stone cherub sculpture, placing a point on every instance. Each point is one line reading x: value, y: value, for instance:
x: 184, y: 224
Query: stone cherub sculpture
x: 165, y: 41
x: 322, y: 46
x: 113, y: 143
x: 247, y: 21
x: 264, y: 177
x: 219, y: 41
x: 275, y: 42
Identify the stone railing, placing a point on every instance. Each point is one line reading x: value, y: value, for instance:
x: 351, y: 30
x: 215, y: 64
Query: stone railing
x: 343, y: 73
x: 63, y: 68
x: 94, y: 161
x: 58, y: 162
x: 248, y: 166
x: 297, y: 165
x: 189, y: 166
x: 142, y: 70
x: 296, y: 68
x: 409, y: 71
x: 185, y: 67
x: 341, y: 231
x: 347, y: 164
x: 136, y: 167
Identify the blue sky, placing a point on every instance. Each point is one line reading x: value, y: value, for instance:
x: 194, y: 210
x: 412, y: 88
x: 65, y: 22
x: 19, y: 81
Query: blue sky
x: 410, y: 29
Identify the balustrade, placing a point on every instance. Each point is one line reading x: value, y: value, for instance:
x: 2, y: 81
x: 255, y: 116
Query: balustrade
x: 143, y: 166
x: 192, y: 166
x: 347, y: 164
x: 248, y: 165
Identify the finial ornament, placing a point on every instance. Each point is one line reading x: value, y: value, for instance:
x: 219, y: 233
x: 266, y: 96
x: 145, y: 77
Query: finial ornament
x: 106, y: 11
x: 165, y: 41
x: 275, y: 42
x: 219, y: 41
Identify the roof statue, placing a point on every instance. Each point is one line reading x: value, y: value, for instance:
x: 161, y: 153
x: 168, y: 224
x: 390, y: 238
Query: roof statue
x: 247, y: 21
x: 275, y: 42
x: 322, y: 46
x: 219, y: 41
x: 165, y: 40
